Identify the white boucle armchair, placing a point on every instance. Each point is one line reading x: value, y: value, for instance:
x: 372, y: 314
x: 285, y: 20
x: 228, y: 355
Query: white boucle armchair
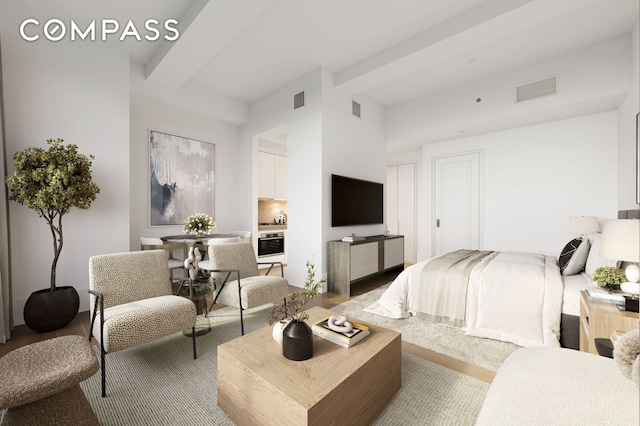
x: 239, y: 283
x: 132, y: 302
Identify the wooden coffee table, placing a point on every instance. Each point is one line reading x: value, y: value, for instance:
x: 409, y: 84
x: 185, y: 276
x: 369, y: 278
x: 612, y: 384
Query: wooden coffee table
x: 257, y: 385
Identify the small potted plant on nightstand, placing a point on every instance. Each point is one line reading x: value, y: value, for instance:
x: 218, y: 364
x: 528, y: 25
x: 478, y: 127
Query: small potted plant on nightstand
x: 608, y: 277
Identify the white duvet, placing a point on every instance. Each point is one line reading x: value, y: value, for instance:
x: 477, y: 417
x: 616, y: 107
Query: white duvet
x: 512, y: 296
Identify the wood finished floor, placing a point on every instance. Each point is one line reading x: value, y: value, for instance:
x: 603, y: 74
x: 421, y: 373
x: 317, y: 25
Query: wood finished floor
x: 22, y: 335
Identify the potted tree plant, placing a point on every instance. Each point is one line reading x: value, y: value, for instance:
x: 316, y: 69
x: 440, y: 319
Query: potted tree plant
x: 51, y: 182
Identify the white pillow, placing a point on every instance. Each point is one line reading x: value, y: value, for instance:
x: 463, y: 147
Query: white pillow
x: 594, y: 260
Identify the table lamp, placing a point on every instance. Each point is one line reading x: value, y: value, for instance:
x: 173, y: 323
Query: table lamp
x: 621, y: 241
x: 583, y: 225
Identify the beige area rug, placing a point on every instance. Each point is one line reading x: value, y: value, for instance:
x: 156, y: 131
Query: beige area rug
x: 160, y: 383
x: 450, y: 341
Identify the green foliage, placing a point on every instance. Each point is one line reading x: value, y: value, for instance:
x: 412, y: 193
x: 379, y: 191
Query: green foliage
x: 293, y: 305
x: 51, y: 182
x: 608, y: 276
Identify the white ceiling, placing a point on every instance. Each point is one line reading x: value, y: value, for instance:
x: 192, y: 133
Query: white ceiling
x: 392, y: 52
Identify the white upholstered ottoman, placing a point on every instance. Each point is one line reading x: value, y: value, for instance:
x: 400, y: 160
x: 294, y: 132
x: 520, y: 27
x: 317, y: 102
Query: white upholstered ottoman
x: 556, y: 386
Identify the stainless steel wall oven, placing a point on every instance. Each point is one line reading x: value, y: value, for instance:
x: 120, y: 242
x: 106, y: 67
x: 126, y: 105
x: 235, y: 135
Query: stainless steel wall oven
x: 270, y: 243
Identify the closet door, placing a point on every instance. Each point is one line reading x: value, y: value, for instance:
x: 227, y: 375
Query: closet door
x: 401, y: 206
x: 392, y: 200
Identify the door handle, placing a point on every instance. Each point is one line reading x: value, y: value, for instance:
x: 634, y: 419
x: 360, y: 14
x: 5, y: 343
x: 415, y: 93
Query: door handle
x: 437, y: 223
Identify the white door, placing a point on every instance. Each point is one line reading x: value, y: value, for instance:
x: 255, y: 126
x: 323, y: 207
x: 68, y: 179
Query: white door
x: 457, y: 197
x: 401, y: 206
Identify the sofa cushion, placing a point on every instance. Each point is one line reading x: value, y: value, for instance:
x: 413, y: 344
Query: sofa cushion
x: 256, y: 291
x: 134, y: 323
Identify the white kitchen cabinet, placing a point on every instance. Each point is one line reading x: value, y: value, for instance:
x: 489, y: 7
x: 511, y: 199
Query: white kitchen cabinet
x: 272, y: 176
x: 280, y: 177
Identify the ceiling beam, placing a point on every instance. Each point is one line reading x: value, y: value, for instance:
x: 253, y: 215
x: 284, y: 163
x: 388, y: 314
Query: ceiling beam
x: 205, y: 29
x: 483, y: 24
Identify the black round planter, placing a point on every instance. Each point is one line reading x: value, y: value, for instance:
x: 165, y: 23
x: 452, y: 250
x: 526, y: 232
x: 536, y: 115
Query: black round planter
x: 48, y: 310
x: 297, y: 341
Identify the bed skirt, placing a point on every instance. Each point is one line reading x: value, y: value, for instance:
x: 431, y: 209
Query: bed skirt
x: 570, y: 331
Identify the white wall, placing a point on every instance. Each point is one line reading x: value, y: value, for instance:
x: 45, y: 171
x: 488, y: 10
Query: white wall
x: 627, y: 160
x: 535, y: 177
x: 304, y: 169
x: 150, y: 115
x: 322, y: 138
x: 352, y: 147
x: 80, y: 92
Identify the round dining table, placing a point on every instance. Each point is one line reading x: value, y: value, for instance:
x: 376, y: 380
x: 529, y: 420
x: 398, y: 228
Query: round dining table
x: 193, y: 238
x: 200, y: 287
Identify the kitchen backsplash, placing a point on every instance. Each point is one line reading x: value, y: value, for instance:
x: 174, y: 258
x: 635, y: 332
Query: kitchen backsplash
x: 269, y: 209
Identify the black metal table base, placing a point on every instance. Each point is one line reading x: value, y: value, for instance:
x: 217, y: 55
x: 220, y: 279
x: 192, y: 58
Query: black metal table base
x: 197, y: 290
x: 200, y: 331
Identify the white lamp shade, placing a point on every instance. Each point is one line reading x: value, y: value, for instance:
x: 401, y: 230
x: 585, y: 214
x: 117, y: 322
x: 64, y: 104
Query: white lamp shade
x: 621, y: 240
x: 582, y: 225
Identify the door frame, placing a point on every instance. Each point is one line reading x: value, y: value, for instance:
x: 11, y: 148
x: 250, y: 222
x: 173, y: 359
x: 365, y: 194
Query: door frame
x: 434, y: 158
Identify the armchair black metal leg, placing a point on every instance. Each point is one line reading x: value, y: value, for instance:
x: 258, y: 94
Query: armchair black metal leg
x: 180, y: 287
x: 240, y: 306
x: 215, y: 299
x: 104, y: 372
x: 229, y: 272
x: 193, y: 336
x: 99, y: 302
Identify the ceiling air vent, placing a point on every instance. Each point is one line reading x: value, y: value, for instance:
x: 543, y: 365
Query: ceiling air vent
x: 298, y: 100
x: 355, y: 108
x: 537, y: 89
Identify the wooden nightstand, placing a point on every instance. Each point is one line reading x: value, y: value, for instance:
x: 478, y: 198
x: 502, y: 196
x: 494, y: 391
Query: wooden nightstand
x: 600, y: 319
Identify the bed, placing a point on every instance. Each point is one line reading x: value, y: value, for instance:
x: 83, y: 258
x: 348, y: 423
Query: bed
x: 524, y: 298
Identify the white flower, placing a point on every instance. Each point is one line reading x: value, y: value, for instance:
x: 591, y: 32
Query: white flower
x: 199, y: 223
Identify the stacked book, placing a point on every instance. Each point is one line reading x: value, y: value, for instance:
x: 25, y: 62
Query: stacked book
x: 598, y: 294
x: 352, y: 238
x: 359, y: 332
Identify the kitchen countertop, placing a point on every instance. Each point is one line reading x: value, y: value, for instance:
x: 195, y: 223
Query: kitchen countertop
x: 273, y: 227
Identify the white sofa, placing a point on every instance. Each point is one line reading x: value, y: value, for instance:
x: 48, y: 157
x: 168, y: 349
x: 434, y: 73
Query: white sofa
x: 556, y: 386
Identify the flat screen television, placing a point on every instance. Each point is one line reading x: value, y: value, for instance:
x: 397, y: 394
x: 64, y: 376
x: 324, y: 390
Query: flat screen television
x: 356, y: 201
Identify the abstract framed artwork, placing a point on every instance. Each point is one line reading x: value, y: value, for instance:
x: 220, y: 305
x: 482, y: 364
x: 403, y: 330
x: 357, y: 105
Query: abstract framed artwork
x: 181, y: 178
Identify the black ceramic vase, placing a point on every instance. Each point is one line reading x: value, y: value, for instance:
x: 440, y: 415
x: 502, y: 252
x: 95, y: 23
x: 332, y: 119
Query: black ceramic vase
x: 297, y: 341
x: 47, y: 310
